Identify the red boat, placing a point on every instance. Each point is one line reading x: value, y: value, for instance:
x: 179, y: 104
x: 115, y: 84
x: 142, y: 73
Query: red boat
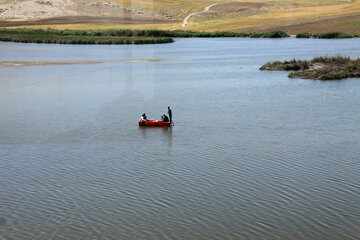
x: 155, y: 123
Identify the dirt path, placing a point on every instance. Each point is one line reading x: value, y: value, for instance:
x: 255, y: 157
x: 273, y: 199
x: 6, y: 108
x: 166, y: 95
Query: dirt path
x: 186, y: 19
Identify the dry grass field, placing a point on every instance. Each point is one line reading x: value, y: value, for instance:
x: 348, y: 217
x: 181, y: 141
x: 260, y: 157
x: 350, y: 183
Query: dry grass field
x: 291, y: 19
x: 292, y: 16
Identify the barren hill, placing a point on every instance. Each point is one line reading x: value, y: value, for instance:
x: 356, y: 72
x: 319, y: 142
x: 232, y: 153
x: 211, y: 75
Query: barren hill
x: 238, y: 15
x: 26, y: 12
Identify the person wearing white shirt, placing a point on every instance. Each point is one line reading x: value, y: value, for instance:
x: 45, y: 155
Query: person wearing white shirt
x: 143, y: 118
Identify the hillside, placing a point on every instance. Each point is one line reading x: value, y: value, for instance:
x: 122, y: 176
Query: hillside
x: 292, y: 16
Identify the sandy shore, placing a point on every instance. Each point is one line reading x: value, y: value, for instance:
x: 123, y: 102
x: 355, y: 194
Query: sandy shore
x: 4, y: 64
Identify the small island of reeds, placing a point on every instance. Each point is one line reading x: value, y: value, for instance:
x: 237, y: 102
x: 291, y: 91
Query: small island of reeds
x: 319, y: 68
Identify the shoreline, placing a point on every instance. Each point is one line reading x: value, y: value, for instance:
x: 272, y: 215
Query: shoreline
x: 53, y: 36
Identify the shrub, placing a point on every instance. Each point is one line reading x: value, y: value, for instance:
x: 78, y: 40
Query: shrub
x: 315, y: 35
x: 303, y: 35
x: 276, y: 34
x: 339, y: 75
x: 331, y: 35
x: 345, y: 35
x: 256, y: 35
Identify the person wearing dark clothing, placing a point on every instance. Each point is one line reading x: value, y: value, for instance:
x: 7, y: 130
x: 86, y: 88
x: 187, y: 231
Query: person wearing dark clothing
x: 170, y: 114
x: 164, y: 118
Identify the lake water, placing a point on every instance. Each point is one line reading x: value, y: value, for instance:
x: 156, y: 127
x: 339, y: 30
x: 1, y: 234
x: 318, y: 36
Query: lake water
x: 252, y: 155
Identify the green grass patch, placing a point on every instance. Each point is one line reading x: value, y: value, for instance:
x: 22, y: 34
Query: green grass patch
x: 116, y: 36
x: 273, y: 34
x: 303, y: 35
x: 76, y: 37
x: 329, y: 35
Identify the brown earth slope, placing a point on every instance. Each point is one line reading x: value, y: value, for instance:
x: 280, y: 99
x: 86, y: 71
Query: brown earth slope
x: 237, y: 9
x: 57, y: 12
x: 84, y: 20
x: 320, y: 24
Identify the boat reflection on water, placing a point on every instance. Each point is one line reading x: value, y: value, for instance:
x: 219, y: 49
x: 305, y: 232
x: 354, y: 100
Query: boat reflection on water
x: 162, y: 134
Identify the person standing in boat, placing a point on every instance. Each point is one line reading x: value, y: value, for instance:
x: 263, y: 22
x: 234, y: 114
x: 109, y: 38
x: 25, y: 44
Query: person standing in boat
x: 143, y: 118
x: 170, y: 113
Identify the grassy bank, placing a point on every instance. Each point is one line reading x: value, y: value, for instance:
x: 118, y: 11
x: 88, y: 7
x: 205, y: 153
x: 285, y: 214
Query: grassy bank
x: 116, y: 36
x: 77, y: 37
x: 329, y: 35
x: 319, y: 68
x: 93, y: 34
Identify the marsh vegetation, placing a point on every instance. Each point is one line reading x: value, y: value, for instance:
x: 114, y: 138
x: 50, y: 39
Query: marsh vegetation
x: 117, y: 36
x: 126, y: 36
x: 79, y: 37
x: 319, y: 68
x: 328, y: 35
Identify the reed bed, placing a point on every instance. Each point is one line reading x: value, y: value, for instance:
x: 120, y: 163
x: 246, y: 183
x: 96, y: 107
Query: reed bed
x: 319, y: 68
x: 117, y: 36
x: 76, y: 37
x: 329, y: 35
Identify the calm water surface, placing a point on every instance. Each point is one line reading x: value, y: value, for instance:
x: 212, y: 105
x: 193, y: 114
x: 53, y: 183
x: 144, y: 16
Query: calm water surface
x: 252, y: 155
